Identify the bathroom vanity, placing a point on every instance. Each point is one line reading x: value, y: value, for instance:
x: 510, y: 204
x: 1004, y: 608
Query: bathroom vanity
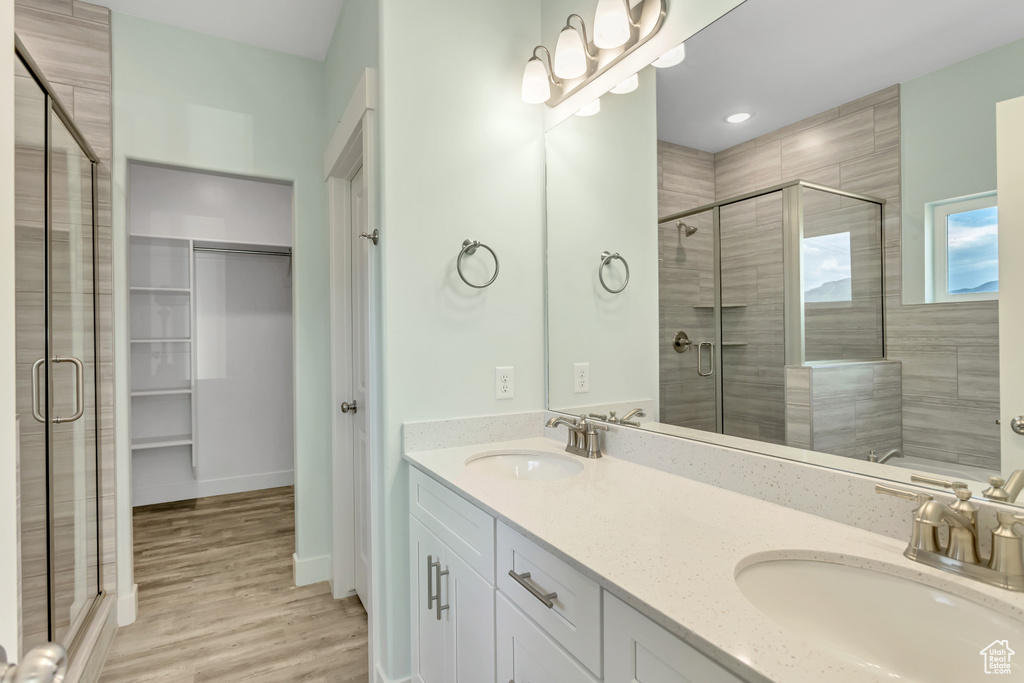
x: 530, y: 565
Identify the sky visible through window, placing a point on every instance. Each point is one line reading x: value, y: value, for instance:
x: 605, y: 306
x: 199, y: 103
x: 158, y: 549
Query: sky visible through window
x: 972, y: 241
x: 827, y: 268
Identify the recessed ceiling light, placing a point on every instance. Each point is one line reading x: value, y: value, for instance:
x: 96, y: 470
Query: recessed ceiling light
x: 739, y: 117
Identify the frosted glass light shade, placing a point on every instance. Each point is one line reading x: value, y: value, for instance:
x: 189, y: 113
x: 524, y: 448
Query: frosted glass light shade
x: 570, y: 54
x: 672, y: 57
x: 590, y: 109
x: 536, y: 85
x: 627, y: 86
x: 611, y: 24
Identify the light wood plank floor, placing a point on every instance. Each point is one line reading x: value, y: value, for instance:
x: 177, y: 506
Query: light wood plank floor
x: 217, y: 602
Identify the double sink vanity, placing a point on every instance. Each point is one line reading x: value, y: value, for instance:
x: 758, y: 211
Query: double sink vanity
x: 533, y: 565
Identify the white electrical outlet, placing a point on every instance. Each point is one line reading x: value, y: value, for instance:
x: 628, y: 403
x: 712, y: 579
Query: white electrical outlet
x: 505, y: 382
x: 581, y: 378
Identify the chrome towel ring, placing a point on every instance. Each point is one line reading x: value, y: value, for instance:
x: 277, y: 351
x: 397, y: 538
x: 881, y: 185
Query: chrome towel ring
x: 606, y: 258
x: 469, y: 248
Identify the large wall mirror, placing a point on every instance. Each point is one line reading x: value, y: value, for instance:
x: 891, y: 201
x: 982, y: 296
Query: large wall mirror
x: 788, y: 243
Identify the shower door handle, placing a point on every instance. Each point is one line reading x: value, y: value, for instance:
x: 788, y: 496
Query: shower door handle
x: 700, y: 359
x: 79, y: 389
x: 36, y: 413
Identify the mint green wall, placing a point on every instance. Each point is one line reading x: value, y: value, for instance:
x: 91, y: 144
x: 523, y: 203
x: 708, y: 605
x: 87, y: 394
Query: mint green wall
x: 353, y: 49
x: 948, y: 139
x: 192, y: 100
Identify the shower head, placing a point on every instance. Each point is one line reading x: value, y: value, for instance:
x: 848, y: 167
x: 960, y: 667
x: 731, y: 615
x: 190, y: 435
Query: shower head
x: 690, y: 229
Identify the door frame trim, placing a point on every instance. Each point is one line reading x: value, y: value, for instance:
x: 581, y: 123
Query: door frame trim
x: 352, y: 146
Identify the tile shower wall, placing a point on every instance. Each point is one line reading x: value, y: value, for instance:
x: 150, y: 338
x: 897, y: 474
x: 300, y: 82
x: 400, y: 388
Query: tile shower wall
x: 949, y: 352
x: 844, y: 408
x: 70, y: 41
x: 686, y: 296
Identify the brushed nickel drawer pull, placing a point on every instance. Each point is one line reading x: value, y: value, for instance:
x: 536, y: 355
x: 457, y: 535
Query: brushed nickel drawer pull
x: 545, y: 598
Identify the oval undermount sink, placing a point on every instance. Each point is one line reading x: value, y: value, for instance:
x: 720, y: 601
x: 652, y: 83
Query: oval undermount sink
x: 895, y: 627
x: 525, y: 465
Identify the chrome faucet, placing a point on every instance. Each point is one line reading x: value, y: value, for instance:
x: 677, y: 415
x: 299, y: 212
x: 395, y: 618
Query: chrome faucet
x: 885, y: 457
x: 628, y: 417
x: 583, y: 435
x: 1005, y: 490
x: 1005, y: 568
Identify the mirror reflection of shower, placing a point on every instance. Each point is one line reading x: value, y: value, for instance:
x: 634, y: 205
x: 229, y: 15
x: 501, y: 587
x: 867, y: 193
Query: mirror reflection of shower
x: 690, y: 230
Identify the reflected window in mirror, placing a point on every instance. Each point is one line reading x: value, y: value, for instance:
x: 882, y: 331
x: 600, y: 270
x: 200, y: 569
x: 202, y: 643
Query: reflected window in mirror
x: 966, y: 248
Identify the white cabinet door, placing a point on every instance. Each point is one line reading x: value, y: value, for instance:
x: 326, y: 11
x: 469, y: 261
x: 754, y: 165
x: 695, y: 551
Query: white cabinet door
x: 428, y: 631
x: 526, y: 654
x: 636, y: 650
x: 470, y: 623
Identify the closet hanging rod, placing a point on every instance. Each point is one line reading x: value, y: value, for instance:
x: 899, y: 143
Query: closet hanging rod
x: 243, y: 251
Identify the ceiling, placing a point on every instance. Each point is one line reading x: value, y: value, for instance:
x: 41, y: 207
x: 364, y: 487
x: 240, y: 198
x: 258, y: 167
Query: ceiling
x: 298, y: 27
x: 785, y: 60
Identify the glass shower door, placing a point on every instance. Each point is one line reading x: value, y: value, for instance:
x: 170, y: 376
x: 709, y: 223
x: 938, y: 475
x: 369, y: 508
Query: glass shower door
x: 56, y: 364
x: 74, y: 530
x: 753, y: 318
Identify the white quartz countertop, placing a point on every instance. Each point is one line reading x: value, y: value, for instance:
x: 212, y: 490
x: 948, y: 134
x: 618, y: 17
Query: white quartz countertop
x: 671, y: 548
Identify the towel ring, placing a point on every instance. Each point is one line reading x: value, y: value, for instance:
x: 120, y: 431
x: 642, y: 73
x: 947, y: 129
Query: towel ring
x: 606, y: 258
x: 469, y: 248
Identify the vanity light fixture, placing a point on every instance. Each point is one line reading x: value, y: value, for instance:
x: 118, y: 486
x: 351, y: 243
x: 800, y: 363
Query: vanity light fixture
x: 738, y: 117
x: 613, y: 24
x: 627, y: 86
x: 573, y: 57
x: 620, y: 28
x: 537, y: 78
x: 590, y: 109
x: 672, y: 57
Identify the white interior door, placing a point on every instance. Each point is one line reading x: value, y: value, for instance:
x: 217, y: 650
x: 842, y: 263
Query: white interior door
x: 1010, y: 150
x: 360, y: 377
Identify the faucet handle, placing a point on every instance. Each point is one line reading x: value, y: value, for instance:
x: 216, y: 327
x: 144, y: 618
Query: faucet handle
x: 920, y: 498
x: 589, y: 424
x: 996, y: 491
x: 955, y: 485
x: 1007, y: 545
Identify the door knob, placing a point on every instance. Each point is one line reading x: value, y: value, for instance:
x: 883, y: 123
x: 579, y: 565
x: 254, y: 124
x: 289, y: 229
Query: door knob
x: 347, y: 407
x: 373, y: 236
x: 1017, y: 424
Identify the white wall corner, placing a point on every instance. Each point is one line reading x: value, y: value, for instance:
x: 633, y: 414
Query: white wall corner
x: 128, y: 607
x: 311, y: 569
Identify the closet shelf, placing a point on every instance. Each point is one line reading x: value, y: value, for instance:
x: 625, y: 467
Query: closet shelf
x: 160, y: 290
x: 161, y: 442
x: 161, y: 392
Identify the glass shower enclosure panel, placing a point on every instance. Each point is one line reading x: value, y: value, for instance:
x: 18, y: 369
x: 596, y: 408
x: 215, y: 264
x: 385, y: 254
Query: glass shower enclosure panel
x: 753, y: 318
x: 56, y: 364
x: 74, y: 548
x: 841, y: 269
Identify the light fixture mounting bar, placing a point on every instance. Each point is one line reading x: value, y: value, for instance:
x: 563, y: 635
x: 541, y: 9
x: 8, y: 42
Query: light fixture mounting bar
x: 646, y: 18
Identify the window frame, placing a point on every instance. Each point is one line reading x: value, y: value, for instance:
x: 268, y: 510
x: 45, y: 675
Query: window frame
x: 938, y: 213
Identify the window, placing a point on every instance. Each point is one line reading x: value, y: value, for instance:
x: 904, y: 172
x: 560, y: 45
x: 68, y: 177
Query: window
x: 826, y: 263
x: 966, y: 249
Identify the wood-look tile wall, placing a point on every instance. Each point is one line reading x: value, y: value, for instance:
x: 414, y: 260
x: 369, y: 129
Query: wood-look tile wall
x: 845, y: 409
x: 70, y: 42
x: 949, y: 352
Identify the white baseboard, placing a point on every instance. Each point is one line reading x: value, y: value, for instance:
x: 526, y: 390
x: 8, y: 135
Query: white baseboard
x: 311, y: 569
x: 379, y: 677
x: 128, y: 607
x: 210, y: 487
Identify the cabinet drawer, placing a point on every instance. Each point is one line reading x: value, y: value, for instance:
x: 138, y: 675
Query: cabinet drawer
x: 459, y: 524
x: 637, y: 650
x: 528, y: 655
x: 574, y: 618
